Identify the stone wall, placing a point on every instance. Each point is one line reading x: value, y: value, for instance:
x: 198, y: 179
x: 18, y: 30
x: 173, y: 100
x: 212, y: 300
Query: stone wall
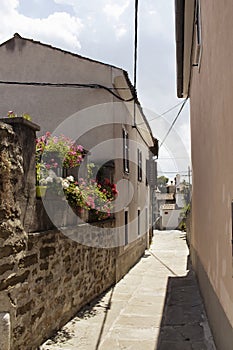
x: 13, y: 238
x: 61, y: 276
x: 46, y: 276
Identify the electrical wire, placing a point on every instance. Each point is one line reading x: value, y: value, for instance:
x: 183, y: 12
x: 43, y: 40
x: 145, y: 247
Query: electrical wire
x: 161, y: 115
x: 70, y: 85
x: 166, y: 158
x: 174, y: 121
x: 167, y: 111
x: 184, y: 172
x: 135, y: 43
x: 135, y: 57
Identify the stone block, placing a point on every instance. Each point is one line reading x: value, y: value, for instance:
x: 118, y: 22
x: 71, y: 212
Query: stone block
x: 28, y: 260
x: 25, y: 308
x: 46, y: 252
x: 38, y: 314
x: 6, y: 251
x: 13, y: 280
x: 44, y: 266
x: 6, y: 267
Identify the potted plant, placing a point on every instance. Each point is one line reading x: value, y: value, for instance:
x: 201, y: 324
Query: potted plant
x: 41, y: 183
x: 58, y: 152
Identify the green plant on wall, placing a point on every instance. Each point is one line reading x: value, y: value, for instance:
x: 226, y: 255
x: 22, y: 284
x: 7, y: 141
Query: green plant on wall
x: 12, y: 114
x: 82, y: 193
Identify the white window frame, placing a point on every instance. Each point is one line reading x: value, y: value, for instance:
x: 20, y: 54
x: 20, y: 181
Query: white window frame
x: 198, y: 35
x: 125, y: 151
x: 139, y: 165
x: 126, y: 214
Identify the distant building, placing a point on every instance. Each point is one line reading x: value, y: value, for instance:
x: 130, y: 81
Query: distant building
x: 170, y: 205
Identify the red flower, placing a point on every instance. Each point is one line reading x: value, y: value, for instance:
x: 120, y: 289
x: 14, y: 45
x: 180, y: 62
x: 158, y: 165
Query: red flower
x: 106, y: 181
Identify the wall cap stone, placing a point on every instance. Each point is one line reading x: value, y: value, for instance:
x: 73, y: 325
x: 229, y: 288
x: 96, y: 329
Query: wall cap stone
x: 20, y: 120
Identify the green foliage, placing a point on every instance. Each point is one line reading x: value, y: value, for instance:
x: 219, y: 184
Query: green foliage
x: 84, y: 193
x: 186, y: 209
x: 12, y: 114
x: 162, y: 182
x: 58, y: 151
x: 88, y: 195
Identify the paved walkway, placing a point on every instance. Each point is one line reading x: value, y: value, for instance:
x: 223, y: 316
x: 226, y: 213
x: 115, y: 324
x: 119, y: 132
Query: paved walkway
x: 156, y: 306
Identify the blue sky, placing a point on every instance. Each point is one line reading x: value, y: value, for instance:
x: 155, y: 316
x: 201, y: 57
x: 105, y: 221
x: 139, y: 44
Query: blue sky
x: 104, y: 30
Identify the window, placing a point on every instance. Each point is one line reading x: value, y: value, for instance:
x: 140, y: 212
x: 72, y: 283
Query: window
x: 151, y: 173
x: 125, y: 151
x: 146, y: 220
x: 139, y: 165
x: 198, y: 36
x: 139, y: 222
x: 126, y: 227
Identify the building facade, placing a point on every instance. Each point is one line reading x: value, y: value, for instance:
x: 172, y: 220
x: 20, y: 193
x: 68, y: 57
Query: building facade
x: 205, y: 75
x: 93, y: 103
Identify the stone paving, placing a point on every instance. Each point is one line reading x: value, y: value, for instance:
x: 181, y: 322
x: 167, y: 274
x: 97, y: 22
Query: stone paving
x: 156, y: 306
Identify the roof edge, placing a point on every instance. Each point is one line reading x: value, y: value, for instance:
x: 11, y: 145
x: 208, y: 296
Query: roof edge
x: 124, y: 72
x: 17, y: 35
x: 179, y: 22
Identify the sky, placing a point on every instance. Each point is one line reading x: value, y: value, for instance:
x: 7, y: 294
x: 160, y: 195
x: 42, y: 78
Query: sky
x: 104, y: 30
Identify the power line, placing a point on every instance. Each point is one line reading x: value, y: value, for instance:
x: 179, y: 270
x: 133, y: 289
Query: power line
x: 135, y: 56
x: 167, y: 111
x: 70, y: 85
x: 135, y: 43
x: 173, y: 123
x: 184, y: 172
x: 173, y: 158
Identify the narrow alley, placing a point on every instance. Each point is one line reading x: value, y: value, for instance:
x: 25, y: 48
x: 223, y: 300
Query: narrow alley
x: 157, y: 305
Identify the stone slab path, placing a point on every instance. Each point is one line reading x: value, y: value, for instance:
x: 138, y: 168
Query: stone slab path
x: 156, y: 306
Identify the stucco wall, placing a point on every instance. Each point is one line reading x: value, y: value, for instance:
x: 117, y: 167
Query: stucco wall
x: 170, y: 218
x: 24, y: 60
x: 212, y: 144
x: 100, y: 117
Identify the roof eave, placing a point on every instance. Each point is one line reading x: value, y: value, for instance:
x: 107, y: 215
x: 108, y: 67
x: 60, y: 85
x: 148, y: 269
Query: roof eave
x: 179, y: 13
x: 185, y: 11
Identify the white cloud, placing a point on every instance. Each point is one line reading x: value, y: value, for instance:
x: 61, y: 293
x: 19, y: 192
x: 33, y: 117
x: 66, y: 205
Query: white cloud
x: 115, y: 11
x: 104, y: 30
x: 120, y: 31
x: 65, y: 2
x: 59, y: 29
x: 8, y: 6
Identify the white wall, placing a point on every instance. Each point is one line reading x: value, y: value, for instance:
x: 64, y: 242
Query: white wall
x: 170, y: 218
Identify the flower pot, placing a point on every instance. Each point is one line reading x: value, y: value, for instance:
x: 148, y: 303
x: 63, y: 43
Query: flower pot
x: 40, y: 191
x: 53, y: 160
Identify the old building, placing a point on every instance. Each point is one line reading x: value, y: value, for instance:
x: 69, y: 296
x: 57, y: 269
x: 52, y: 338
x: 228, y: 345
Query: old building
x: 96, y: 105
x: 89, y: 101
x: 205, y: 75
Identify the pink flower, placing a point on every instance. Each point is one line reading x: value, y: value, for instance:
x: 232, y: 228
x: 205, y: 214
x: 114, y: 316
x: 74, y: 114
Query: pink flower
x: 80, y: 148
x: 106, y: 181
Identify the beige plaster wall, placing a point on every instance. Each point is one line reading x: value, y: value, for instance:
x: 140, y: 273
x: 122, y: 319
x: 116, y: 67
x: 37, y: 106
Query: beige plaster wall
x: 212, y: 145
x: 23, y: 60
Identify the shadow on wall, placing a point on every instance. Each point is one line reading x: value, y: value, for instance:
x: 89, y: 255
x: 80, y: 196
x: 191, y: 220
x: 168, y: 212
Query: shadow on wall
x: 184, y: 324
